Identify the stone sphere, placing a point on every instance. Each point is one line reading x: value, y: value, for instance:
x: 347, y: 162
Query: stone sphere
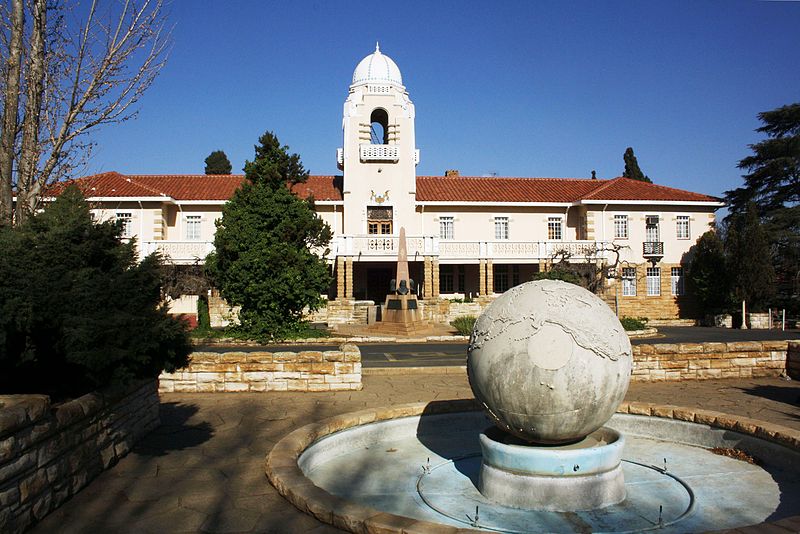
x: 549, y: 361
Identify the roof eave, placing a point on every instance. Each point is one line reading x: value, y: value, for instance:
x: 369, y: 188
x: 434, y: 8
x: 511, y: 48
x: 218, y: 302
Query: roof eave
x: 713, y: 203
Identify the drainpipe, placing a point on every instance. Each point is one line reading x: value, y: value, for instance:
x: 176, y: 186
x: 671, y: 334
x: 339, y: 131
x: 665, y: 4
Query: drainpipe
x: 141, y: 229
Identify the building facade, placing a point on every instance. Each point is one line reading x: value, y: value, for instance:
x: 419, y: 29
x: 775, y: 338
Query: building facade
x: 469, y: 238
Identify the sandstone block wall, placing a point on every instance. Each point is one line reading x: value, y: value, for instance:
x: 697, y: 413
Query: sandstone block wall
x: 793, y: 360
x: 48, y: 453
x: 218, y: 372
x: 700, y: 361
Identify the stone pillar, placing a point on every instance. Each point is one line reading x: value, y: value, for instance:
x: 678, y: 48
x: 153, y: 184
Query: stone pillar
x: 435, y: 276
x: 340, y: 285
x: 348, y: 279
x: 482, y: 277
x: 427, y: 278
x: 489, y: 278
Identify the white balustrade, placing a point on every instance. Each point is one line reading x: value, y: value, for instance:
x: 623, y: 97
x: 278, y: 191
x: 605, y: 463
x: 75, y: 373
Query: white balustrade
x: 379, y: 152
x: 180, y: 252
x: 386, y: 246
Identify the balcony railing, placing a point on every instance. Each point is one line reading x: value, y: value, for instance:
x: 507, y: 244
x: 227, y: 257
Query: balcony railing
x: 179, y: 252
x: 386, y: 246
x: 653, y: 248
x: 379, y: 152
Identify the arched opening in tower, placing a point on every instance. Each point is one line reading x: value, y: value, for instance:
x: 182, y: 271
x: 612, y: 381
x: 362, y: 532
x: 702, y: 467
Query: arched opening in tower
x: 379, y: 127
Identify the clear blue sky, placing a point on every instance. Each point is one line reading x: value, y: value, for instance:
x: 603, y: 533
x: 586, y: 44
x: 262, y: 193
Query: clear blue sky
x: 551, y: 89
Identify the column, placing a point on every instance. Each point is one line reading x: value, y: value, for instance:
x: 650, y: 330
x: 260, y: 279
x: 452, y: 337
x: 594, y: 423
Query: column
x: 348, y: 279
x: 435, y: 277
x: 489, y: 278
x: 427, y: 277
x: 482, y: 277
x: 340, y: 268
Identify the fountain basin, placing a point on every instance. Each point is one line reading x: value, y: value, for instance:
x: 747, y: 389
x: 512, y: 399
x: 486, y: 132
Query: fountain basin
x: 381, y: 484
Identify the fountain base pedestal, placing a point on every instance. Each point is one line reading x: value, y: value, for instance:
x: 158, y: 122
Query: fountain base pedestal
x: 585, y: 475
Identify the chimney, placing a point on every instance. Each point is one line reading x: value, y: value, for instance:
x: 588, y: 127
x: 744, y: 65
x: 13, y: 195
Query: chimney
x: 451, y: 173
x: 594, y: 175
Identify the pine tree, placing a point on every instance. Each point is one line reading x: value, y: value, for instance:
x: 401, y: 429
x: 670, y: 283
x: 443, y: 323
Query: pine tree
x: 749, y: 260
x: 77, y: 311
x: 772, y: 183
x: 265, y: 244
x: 707, y: 276
x: 217, y: 163
x: 632, y: 169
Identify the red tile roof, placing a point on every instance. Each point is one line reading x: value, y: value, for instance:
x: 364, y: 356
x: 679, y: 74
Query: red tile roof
x: 429, y: 188
x: 627, y: 189
x: 189, y: 186
x: 476, y: 189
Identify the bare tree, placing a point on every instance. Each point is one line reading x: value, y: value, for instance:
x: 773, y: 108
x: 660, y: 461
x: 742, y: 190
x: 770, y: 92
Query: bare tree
x: 600, y: 263
x: 60, y: 83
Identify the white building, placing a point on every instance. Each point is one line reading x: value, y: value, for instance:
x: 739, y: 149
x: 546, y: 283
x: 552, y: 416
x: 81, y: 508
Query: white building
x: 468, y: 237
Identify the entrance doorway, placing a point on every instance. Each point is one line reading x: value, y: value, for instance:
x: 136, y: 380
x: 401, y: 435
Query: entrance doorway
x: 378, y: 279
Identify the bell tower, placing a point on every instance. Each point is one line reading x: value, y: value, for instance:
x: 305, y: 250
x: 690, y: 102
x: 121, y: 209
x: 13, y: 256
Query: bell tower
x: 379, y: 156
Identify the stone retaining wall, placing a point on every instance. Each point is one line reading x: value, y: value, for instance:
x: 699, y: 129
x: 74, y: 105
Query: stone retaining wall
x: 700, y: 361
x: 216, y: 372
x: 793, y: 360
x: 47, y: 454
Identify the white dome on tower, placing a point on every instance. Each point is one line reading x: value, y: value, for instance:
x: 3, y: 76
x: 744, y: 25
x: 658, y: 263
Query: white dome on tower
x: 377, y: 67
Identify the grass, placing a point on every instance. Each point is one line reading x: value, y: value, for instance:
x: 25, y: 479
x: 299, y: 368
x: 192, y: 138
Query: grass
x: 634, y: 323
x: 464, y: 324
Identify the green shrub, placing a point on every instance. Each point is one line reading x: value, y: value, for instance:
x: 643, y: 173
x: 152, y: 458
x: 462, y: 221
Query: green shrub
x: 464, y: 324
x: 77, y: 311
x: 634, y: 323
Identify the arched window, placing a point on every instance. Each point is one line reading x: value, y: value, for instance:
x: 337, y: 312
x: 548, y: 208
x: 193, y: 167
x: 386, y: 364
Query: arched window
x: 379, y: 127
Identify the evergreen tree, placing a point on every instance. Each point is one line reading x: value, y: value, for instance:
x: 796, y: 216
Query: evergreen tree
x: 217, y: 163
x: 632, y: 169
x: 77, y: 311
x: 772, y: 183
x: 749, y: 261
x: 264, y: 259
x: 707, y: 277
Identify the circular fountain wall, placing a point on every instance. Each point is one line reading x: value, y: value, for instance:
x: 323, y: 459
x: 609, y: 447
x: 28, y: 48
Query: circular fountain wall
x: 416, y: 467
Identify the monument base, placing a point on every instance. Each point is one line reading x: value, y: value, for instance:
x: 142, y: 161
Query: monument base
x: 586, y: 475
x: 401, y: 309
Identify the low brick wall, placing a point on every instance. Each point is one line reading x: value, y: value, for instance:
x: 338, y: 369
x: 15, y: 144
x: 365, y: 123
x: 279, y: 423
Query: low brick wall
x: 699, y: 361
x: 793, y: 360
x: 47, y: 454
x: 214, y: 372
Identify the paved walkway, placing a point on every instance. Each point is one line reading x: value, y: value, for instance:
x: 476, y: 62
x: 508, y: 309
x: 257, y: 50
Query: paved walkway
x: 202, y: 470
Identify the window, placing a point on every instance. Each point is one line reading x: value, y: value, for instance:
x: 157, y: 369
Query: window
x: 500, y: 278
x: 554, y: 228
x: 651, y: 233
x: 629, y: 281
x: 446, y: 279
x: 379, y: 220
x: 621, y: 226
x: 446, y: 227
x: 514, y: 275
x: 461, y: 278
x: 501, y: 227
x: 683, y: 227
x: 126, y: 221
x: 677, y: 281
x: 653, y: 281
x: 193, y: 228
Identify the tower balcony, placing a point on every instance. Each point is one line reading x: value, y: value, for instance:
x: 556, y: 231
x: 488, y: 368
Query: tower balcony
x: 377, y: 153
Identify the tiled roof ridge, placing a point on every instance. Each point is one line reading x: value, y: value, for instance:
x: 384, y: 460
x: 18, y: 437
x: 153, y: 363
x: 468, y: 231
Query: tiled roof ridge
x: 540, y: 178
x: 144, y: 186
x: 603, y: 187
x: 640, y: 183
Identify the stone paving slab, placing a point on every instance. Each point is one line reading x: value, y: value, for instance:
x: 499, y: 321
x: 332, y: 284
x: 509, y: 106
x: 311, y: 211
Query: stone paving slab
x: 203, y: 469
